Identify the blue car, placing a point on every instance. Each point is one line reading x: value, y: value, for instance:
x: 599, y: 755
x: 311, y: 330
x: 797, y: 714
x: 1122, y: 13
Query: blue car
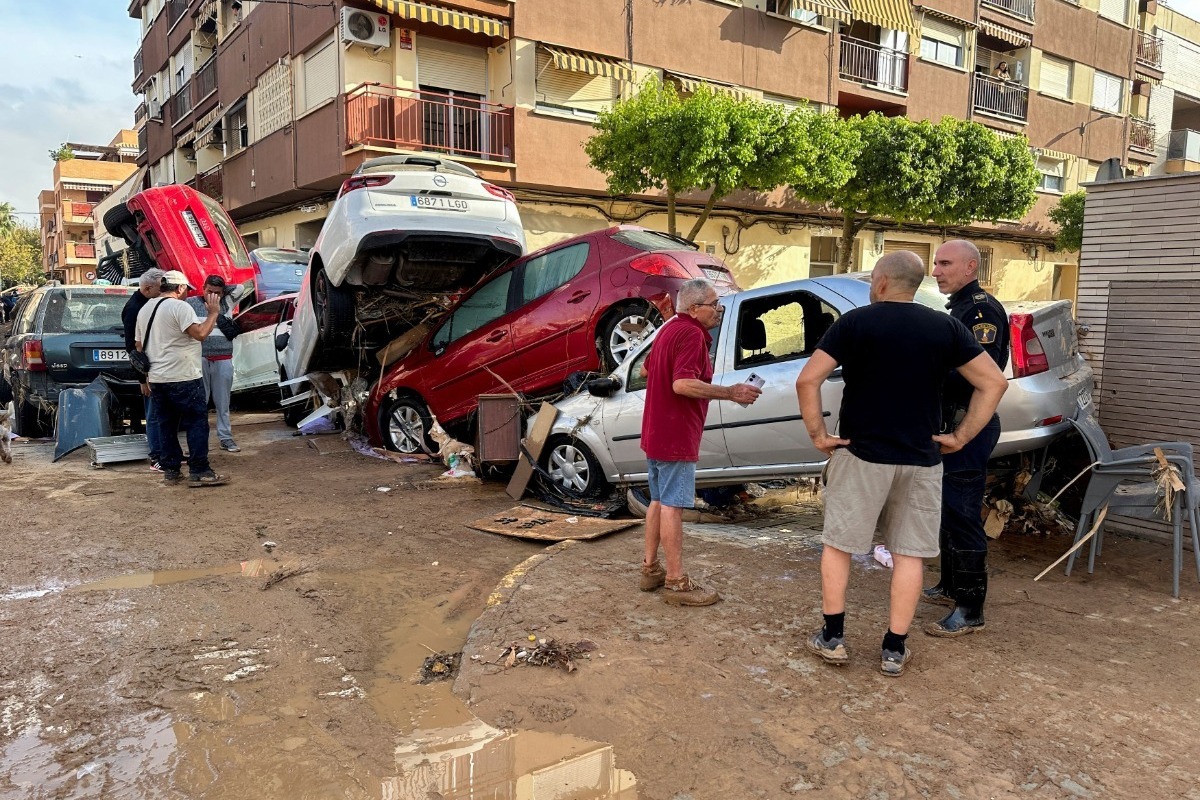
x: 277, y: 270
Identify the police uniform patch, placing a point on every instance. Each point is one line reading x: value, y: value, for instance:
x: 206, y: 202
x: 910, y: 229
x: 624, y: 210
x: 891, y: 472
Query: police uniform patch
x: 979, y: 297
x: 985, y: 332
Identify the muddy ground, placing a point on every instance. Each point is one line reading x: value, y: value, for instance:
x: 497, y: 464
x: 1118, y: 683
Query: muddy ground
x: 154, y: 648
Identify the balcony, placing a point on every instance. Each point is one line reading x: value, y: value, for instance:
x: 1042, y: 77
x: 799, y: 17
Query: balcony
x: 870, y: 64
x: 139, y: 113
x: 407, y: 119
x: 137, y: 63
x: 1183, y: 151
x: 1149, y: 50
x: 80, y: 212
x: 143, y: 141
x: 81, y: 251
x: 1001, y: 98
x: 176, y: 9
x: 1022, y: 9
x: 181, y: 103
x: 205, y: 82
x: 1141, y: 134
x: 210, y: 183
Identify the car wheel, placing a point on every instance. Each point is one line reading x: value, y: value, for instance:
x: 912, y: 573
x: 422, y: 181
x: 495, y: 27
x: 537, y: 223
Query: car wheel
x: 405, y: 426
x: 118, y: 221
x: 334, y: 308
x: 624, y: 330
x: 28, y: 422
x: 573, y: 469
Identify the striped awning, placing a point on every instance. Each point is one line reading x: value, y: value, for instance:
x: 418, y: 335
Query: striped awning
x: 933, y: 12
x: 187, y: 137
x: 576, y: 61
x: 833, y: 9
x: 894, y: 14
x: 210, y: 118
x: 1015, y: 38
x: 689, y: 83
x: 1055, y: 154
x: 207, y: 10
x: 88, y: 186
x: 422, y: 12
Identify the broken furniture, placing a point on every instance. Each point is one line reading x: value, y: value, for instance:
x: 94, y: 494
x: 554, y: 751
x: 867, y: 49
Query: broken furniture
x: 1122, y: 481
x: 500, y: 423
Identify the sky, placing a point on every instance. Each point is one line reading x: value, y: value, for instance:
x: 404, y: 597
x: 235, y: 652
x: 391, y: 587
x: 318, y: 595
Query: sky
x: 65, y: 72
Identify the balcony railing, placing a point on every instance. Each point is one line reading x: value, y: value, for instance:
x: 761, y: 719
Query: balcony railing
x: 137, y: 63
x: 407, y: 119
x: 143, y: 140
x: 1018, y: 8
x: 139, y: 113
x: 205, y: 82
x: 82, y: 210
x: 867, y: 62
x: 181, y: 103
x: 211, y: 183
x: 1149, y: 49
x: 176, y: 9
x: 1001, y: 98
x: 81, y: 250
x: 1183, y: 144
x: 1141, y: 134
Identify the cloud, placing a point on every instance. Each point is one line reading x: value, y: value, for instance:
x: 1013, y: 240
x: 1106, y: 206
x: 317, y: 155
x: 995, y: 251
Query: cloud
x: 67, y: 69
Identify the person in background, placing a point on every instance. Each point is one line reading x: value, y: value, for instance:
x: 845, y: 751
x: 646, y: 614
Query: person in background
x: 1002, y: 71
x: 149, y: 287
x: 217, y: 350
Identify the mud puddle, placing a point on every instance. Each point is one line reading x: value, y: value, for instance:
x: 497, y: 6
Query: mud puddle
x: 253, y: 568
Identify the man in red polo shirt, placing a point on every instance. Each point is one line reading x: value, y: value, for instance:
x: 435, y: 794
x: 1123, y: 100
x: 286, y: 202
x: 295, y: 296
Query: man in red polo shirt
x: 678, y: 388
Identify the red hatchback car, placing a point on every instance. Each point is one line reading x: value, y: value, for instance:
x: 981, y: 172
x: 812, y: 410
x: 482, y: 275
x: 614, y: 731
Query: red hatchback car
x: 582, y: 304
x: 176, y: 227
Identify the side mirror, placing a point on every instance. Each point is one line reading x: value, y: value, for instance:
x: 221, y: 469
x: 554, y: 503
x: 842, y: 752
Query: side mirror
x: 281, y: 341
x: 603, y: 387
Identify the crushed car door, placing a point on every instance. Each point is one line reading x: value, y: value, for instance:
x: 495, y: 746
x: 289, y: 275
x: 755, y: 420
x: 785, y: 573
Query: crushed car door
x: 776, y: 334
x: 255, y: 360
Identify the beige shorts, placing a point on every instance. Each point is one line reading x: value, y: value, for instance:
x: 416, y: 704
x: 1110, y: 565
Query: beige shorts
x: 903, y: 502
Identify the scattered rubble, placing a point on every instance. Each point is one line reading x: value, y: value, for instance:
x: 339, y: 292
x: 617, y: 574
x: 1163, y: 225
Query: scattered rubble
x: 546, y: 653
x: 439, y: 667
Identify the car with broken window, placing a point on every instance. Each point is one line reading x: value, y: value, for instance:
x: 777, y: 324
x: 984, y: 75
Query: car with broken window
x: 581, y: 305
x: 255, y: 355
x: 772, y: 331
x: 63, y: 337
x: 405, y: 234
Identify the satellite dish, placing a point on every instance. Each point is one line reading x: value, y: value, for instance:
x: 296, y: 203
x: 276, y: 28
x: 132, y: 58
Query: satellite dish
x: 1110, y: 170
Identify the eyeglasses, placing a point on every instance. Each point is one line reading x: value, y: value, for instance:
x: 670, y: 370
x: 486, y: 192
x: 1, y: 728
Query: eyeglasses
x: 714, y: 305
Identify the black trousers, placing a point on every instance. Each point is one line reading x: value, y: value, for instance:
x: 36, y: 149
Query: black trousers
x: 963, y: 540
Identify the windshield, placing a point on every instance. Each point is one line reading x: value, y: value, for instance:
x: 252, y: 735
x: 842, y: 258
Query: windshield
x: 651, y: 241
x: 72, y: 311
x: 229, y: 234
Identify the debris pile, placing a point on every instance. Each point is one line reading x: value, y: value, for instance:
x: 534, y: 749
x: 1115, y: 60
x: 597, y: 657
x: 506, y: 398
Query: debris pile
x: 439, y: 667
x: 546, y: 653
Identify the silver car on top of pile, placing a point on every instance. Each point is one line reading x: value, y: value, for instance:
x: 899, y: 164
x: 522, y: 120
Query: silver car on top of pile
x: 771, y: 332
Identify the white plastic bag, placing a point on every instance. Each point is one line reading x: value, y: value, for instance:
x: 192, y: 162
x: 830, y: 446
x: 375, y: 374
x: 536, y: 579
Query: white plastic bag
x: 883, y: 556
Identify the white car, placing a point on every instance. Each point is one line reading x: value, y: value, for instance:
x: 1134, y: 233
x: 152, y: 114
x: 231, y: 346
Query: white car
x: 404, y: 232
x: 255, y: 359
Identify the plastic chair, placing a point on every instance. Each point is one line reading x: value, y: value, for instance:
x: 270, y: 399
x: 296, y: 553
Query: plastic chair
x: 1121, y: 480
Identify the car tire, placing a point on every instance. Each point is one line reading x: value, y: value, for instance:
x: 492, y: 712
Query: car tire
x: 28, y: 422
x: 572, y: 468
x: 613, y: 339
x: 334, y: 309
x: 405, y: 426
x: 119, y: 222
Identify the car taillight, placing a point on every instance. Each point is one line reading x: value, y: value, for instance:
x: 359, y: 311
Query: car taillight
x: 32, y: 358
x: 364, y: 182
x: 658, y: 264
x: 500, y: 191
x: 1029, y: 357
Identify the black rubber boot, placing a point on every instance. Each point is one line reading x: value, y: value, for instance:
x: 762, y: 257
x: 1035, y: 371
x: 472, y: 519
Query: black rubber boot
x: 967, y: 616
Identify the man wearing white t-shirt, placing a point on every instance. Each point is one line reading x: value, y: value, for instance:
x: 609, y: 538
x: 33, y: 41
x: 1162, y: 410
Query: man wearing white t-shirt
x: 170, y: 335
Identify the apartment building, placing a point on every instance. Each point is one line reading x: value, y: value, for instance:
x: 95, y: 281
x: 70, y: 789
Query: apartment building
x: 269, y: 106
x: 1170, y: 115
x: 67, y: 213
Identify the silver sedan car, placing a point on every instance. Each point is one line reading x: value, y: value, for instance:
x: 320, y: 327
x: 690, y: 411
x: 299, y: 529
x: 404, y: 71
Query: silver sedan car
x: 771, y: 332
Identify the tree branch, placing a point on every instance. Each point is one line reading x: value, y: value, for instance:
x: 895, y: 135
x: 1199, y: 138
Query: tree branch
x: 708, y: 207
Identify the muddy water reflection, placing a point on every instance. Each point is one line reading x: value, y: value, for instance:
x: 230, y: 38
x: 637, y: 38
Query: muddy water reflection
x: 475, y: 760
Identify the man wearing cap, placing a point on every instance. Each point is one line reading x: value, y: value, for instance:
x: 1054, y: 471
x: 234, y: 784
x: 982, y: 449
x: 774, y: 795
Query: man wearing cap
x: 170, y: 336
x: 217, y: 350
x: 149, y: 287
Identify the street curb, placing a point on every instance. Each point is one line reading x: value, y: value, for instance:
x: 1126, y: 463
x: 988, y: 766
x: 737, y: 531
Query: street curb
x: 489, y: 621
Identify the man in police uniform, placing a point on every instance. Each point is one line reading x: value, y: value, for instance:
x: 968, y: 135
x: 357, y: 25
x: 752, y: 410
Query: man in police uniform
x: 963, y: 584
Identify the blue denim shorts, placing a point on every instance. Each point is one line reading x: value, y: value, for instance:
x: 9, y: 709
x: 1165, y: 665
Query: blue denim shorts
x: 673, y: 483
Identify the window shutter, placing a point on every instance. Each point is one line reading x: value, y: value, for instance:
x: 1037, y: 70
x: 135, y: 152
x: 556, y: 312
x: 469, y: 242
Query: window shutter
x: 273, y: 100
x: 452, y: 66
x: 320, y: 76
x: 1106, y: 92
x: 942, y: 31
x: 560, y: 87
x: 1114, y: 9
x: 920, y: 248
x: 1056, y: 77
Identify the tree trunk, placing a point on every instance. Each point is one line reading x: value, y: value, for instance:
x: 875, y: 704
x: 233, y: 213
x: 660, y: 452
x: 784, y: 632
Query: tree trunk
x: 850, y: 228
x: 708, y: 207
x: 671, y: 211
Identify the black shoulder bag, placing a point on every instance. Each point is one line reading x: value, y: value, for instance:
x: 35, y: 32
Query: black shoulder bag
x: 138, y: 358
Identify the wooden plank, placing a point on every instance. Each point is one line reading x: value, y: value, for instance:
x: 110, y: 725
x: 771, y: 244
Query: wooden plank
x: 542, y: 424
x: 524, y: 522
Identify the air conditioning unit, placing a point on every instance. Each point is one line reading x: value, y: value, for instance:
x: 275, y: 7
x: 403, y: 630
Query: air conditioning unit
x: 366, y: 28
x: 154, y: 111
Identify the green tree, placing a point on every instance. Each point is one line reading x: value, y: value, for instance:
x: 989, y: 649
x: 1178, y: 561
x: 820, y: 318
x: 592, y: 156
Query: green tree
x: 62, y: 153
x: 706, y: 142
x: 952, y: 172
x: 1068, y: 216
x: 20, y: 256
x: 8, y: 218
